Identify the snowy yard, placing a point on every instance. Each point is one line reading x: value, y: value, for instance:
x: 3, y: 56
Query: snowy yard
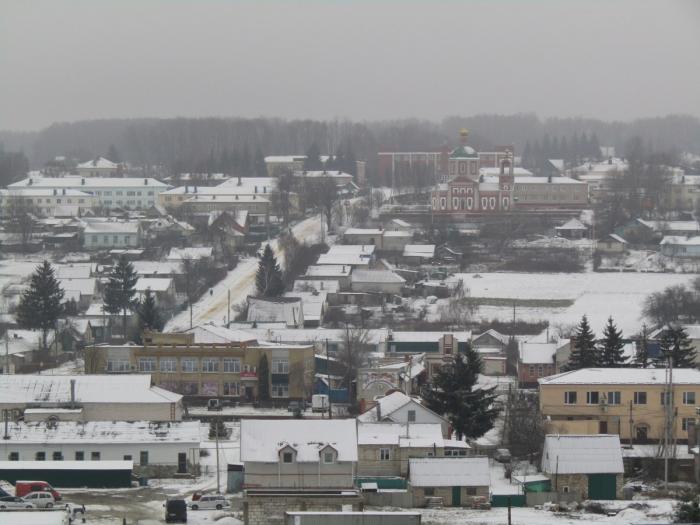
x: 597, y: 295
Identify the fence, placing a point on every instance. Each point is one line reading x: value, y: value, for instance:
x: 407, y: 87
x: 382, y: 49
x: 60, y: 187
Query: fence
x: 540, y: 498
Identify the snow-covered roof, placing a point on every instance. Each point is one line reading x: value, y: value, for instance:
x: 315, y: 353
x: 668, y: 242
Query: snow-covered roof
x: 582, y: 454
x: 612, y: 164
x: 414, y: 435
x: 74, y: 271
x: 388, y: 405
x: 495, y: 334
x: 517, y: 172
x: 97, y: 432
x: 450, y: 472
x: 285, y: 158
x: 677, y: 240
x: 328, y: 270
x: 672, y: 226
x: 157, y: 267
x: 280, y: 309
x: 154, y: 284
x: 100, y: 163
x: 127, y: 388
x: 227, y: 198
x: 623, y: 376
x: 64, y: 465
x: 43, y: 192
x: 111, y: 227
x: 617, y: 238
x: 409, y: 336
x: 363, y: 231
x: 23, y: 341
x: 419, y: 250
x: 84, y: 286
x: 89, y: 182
x: 350, y: 259
x: 537, y: 353
x: 320, y: 286
x: 546, y: 180
x: 376, y: 276
x: 572, y: 224
x: 262, y: 440
x: 397, y: 233
x: 211, y: 333
x: 194, y: 253
x: 247, y: 186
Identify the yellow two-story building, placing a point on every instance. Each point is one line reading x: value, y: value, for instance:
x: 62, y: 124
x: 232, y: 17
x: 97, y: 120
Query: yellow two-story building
x: 631, y: 402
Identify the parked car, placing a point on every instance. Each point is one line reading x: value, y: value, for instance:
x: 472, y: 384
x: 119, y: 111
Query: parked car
x: 22, y: 488
x: 296, y: 406
x: 210, y: 501
x: 15, y: 502
x: 320, y: 403
x: 214, y: 404
x: 42, y: 500
x: 176, y: 511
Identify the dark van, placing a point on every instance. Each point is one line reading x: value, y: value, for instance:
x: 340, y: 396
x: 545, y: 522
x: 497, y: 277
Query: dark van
x: 175, y: 511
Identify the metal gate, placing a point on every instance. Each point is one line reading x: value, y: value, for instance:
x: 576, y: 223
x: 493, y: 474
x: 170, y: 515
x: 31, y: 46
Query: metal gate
x: 602, y: 486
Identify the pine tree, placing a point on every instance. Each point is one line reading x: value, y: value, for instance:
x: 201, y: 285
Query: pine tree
x: 584, y: 353
x: 40, y: 305
x: 149, y: 314
x: 268, y: 280
x: 263, y: 379
x: 611, y: 355
x: 120, y: 291
x: 454, y: 393
x: 313, y: 159
x: 676, y: 346
x: 642, y: 357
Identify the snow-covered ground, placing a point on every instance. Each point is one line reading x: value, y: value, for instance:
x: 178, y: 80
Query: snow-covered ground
x: 240, y: 282
x: 598, y: 295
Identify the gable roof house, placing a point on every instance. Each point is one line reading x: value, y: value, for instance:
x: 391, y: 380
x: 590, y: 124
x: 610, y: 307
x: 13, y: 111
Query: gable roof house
x: 287, y: 310
x: 458, y: 481
x: 299, y: 454
x: 536, y: 360
x: 589, y: 466
x: 377, y: 281
x: 397, y: 407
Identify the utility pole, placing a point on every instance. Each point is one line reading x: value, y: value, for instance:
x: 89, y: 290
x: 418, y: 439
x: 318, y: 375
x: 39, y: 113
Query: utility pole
x: 631, y: 424
x: 328, y: 376
x: 668, y: 412
x: 7, y: 351
x: 218, y: 472
x: 228, y: 315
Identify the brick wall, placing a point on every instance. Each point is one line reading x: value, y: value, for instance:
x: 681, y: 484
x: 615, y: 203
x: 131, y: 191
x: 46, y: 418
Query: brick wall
x: 269, y: 510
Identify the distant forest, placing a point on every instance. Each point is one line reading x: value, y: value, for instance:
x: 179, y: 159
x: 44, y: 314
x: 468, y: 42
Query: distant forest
x: 235, y: 144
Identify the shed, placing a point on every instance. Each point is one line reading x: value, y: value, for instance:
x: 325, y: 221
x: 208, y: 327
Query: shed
x: 613, y: 243
x: 458, y: 481
x: 68, y: 474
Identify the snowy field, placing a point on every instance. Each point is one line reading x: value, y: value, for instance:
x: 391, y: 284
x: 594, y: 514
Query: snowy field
x: 597, y: 295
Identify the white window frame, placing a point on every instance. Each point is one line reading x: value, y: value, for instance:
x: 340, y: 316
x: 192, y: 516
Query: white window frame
x: 569, y: 395
x: 210, y: 365
x: 167, y: 365
x: 185, y: 363
x: 384, y: 454
x: 232, y: 365
x: 688, y: 398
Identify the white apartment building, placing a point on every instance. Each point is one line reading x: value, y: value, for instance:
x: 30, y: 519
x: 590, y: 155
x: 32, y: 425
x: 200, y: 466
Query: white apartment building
x: 99, y: 167
x: 48, y: 202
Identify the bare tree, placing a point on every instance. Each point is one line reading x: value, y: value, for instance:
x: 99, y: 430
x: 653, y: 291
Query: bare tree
x: 525, y: 430
x: 459, y: 308
x: 21, y: 218
x: 281, y: 196
x: 94, y: 360
x: 353, y: 352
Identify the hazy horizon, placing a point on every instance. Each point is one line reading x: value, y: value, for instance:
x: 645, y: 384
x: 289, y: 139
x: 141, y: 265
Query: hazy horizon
x: 65, y: 61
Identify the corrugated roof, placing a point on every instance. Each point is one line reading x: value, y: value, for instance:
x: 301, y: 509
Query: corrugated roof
x: 582, y: 454
x: 623, y: 376
x: 376, y: 276
x: 450, y: 472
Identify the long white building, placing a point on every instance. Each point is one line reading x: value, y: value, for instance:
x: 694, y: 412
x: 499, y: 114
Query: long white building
x: 111, y: 192
x: 47, y: 202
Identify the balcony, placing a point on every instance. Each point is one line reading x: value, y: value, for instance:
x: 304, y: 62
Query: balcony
x: 249, y: 376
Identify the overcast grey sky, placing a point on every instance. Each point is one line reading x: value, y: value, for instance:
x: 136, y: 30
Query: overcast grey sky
x: 63, y: 60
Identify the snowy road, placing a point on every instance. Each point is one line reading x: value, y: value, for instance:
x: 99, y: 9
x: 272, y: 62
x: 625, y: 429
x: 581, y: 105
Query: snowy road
x: 240, y: 281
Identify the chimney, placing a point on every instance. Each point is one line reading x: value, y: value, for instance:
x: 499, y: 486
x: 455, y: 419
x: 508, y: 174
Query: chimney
x: 82, y: 182
x: 64, y: 191
x: 55, y: 192
x: 187, y: 190
x: 379, y: 407
x: 609, y: 160
x: 549, y: 178
x: 195, y: 189
x: 256, y: 189
x: 145, y: 182
x: 72, y: 393
x: 264, y: 189
x: 240, y: 182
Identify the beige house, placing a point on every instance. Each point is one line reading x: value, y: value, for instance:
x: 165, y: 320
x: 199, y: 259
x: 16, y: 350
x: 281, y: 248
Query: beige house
x: 456, y: 481
x: 384, y: 449
x: 588, y: 466
x: 630, y: 402
x: 397, y: 407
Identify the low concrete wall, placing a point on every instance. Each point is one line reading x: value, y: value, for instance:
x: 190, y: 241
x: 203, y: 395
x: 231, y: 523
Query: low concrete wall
x: 540, y: 498
x: 393, y: 498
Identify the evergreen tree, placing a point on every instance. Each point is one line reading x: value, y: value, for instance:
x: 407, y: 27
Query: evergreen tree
x: 642, y: 357
x: 350, y: 162
x: 268, y: 280
x: 688, y: 511
x: 120, y: 291
x: 512, y: 356
x: 40, y: 305
x: 584, y: 353
x: 313, y: 159
x: 611, y: 355
x: 113, y: 154
x: 676, y: 346
x: 454, y: 393
x: 149, y: 314
x: 259, y: 166
x: 263, y: 379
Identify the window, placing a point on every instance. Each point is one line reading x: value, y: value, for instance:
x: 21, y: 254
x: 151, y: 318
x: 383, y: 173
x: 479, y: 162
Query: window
x: 57, y: 456
x: 147, y: 364
x: 328, y: 457
x: 411, y: 416
x: 118, y: 365
x: 231, y: 389
x: 168, y: 365
x: 664, y: 397
x: 592, y: 398
x: 287, y: 457
x: 143, y: 457
x: 532, y: 370
x: 188, y: 364
x: 471, y: 491
x: 685, y: 423
x: 126, y: 239
x: 127, y: 457
x: 232, y: 365
x: 384, y: 454
x: 95, y: 456
x: 429, y: 491
x: 614, y: 398
x: 40, y: 456
x: 210, y: 364
x: 14, y: 456
x: 565, y: 489
x: 280, y: 390
x: 569, y: 398
x: 640, y: 398
x: 280, y: 366
x: 79, y: 455
x: 540, y: 370
x: 688, y: 398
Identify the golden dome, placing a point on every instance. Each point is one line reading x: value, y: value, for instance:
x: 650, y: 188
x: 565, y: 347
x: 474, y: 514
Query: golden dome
x: 464, y: 132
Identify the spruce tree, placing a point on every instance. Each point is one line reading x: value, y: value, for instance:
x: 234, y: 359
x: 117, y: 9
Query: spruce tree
x: 149, y: 314
x: 268, y: 280
x: 40, y: 305
x: 642, y: 358
x: 313, y: 159
x: 263, y: 379
x: 120, y: 291
x: 584, y: 353
x: 259, y: 165
x: 469, y: 409
x: 676, y: 346
x: 611, y: 355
